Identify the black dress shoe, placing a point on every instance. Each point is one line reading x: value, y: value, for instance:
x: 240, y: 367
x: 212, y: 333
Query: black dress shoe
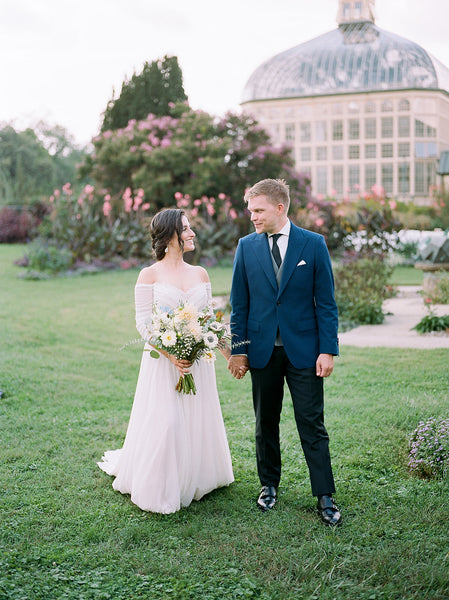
x: 329, y: 511
x: 267, y: 497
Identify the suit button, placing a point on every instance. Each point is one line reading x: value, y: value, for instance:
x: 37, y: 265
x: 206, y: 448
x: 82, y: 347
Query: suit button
x: 279, y: 303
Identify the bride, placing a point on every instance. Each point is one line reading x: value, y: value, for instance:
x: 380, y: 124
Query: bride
x: 175, y: 449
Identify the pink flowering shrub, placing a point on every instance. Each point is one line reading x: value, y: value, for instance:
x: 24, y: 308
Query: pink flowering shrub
x: 193, y: 153
x: 93, y: 225
x: 428, y: 455
x: 216, y: 223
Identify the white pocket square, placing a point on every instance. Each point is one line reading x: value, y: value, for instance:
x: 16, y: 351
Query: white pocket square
x: 301, y: 263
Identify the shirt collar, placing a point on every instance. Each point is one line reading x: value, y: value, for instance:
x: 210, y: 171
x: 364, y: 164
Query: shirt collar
x: 285, y: 230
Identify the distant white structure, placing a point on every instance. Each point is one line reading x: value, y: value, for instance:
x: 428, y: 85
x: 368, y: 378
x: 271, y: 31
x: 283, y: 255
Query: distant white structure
x: 359, y: 106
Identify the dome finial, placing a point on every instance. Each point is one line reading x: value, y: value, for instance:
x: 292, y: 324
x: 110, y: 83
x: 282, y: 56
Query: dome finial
x: 355, y: 11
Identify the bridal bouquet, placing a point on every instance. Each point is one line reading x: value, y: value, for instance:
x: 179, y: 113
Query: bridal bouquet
x: 187, y: 333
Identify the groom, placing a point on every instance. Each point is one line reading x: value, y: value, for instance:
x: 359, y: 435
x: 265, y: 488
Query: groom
x: 283, y: 304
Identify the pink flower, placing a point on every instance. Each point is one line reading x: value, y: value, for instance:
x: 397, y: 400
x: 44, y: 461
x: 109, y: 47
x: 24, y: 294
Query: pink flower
x: 51, y: 199
x: 89, y: 189
x: 393, y: 204
x: 128, y: 204
x: 127, y: 193
x: 210, y: 210
x: 145, y: 206
x: 233, y: 214
x: 222, y: 196
x: 378, y: 190
x: 178, y: 195
x: 66, y: 188
x: 107, y: 198
x: 197, y: 202
x: 320, y: 197
x: 137, y: 203
x: 319, y: 222
x: 106, y: 208
x: 194, y: 212
x: 57, y: 193
x: 80, y: 201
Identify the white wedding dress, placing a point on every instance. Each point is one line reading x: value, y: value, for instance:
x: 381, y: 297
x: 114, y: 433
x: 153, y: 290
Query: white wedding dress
x: 175, y: 449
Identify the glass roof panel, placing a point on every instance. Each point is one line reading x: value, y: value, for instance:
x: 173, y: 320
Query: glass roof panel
x: 357, y: 57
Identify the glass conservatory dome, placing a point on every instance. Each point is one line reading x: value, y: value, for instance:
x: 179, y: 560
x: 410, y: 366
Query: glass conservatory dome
x: 356, y: 57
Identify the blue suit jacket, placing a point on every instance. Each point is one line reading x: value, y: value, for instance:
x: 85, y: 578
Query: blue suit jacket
x: 303, y: 307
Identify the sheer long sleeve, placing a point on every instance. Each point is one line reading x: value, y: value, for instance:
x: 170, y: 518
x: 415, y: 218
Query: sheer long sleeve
x: 209, y: 294
x: 143, y: 295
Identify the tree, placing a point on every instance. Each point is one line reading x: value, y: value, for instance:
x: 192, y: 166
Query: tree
x: 35, y: 161
x: 26, y: 167
x: 192, y: 155
x: 154, y: 90
x: 66, y: 155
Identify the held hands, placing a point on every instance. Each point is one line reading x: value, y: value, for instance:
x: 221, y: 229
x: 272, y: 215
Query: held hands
x: 238, y: 365
x: 324, y: 365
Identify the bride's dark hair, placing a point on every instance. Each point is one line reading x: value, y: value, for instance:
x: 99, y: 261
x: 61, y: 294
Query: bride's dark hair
x: 163, y: 227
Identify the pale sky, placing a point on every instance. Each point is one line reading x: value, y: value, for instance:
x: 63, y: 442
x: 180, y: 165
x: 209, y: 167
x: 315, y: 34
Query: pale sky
x: 61, y: 59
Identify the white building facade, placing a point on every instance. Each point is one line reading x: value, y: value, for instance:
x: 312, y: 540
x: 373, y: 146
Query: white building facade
x: 359, y: 106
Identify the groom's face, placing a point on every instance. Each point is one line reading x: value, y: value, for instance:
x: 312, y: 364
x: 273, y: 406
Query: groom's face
x: 265, y: 216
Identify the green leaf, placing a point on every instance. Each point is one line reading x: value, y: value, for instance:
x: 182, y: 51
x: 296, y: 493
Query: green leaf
x: 154, y: 354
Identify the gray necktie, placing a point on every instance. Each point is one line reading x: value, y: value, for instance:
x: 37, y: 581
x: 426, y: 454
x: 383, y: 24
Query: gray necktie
x: 275, y: 249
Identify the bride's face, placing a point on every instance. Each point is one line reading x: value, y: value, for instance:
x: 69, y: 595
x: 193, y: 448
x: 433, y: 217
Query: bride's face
x: 187, y: 235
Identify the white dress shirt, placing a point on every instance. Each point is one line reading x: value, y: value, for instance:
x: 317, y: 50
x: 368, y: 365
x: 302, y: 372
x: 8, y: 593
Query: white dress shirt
x: 282, y: 240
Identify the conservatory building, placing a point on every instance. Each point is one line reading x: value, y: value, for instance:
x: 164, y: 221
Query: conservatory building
x: 359, y: 106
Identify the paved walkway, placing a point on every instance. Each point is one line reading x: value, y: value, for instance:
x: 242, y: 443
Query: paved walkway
x: 406, y: 309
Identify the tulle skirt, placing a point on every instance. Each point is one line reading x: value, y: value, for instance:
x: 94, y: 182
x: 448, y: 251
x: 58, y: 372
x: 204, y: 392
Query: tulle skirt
x: 176, y: 449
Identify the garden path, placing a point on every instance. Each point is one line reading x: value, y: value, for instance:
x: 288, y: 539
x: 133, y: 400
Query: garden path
x: 402, y: 313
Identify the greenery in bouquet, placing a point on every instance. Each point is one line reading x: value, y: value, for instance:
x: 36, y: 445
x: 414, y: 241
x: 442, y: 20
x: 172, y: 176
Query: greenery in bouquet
x: 429, y: 449
x: 187, y: 333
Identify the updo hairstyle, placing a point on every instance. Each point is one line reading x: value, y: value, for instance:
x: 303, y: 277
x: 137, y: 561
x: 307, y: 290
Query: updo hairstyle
x: 163, y: 227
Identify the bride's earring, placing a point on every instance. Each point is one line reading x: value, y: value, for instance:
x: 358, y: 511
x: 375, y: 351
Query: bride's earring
x: 166, y: 249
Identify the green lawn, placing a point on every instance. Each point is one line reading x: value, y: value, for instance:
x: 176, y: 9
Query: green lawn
x: 407, y: 276
x: 65, y: 534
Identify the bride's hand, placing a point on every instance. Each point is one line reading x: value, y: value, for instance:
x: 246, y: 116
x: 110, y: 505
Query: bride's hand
x: 183, y: 366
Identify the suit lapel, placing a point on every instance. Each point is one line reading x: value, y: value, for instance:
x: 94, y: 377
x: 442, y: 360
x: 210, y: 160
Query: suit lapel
x: 263, y: 255
x: 296, y: 243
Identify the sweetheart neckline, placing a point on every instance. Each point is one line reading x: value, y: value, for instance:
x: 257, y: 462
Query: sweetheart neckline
x: 175, y: 286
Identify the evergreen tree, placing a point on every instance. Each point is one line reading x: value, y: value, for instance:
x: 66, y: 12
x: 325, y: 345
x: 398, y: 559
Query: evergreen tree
x: 154, y: 90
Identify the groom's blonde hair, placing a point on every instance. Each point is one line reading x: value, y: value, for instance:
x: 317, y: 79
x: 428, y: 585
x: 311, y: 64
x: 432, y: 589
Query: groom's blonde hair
x: 275, y: 190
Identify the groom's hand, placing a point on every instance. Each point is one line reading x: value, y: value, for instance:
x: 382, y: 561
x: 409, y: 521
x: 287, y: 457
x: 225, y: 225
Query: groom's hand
x: 324, y: 365
x: 238, y: 365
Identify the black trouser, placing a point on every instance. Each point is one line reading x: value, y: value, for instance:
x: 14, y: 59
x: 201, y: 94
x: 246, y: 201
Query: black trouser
x: 306, y: 390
